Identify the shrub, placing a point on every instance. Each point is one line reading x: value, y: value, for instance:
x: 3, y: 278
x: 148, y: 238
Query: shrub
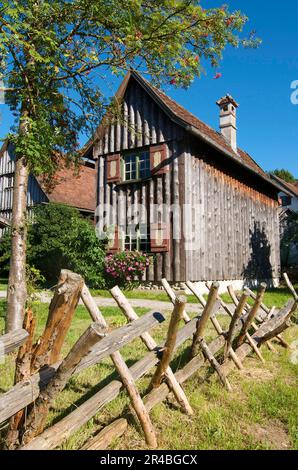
x: 60, y: 238
x: 5, y: 247
x: 126, y: 268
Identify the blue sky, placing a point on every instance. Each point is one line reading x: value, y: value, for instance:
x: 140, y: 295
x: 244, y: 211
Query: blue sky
x: 259, y: 80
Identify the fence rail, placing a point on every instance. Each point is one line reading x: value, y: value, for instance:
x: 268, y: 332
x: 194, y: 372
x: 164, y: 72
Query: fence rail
x: 250, y: 327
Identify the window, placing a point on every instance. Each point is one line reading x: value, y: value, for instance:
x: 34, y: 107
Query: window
x: 136, y: 166
x: 8, y: 181
x: 137, y: 237
x: 286, y: 200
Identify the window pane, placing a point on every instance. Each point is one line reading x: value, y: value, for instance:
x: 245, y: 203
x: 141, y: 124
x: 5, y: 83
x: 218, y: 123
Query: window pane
x: 130, y: 167
x: 144, y: 165
x: 137, y: 165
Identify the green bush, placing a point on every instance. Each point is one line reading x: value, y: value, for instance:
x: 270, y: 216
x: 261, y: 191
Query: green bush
x: 5, y: 254
x: 60, y: 238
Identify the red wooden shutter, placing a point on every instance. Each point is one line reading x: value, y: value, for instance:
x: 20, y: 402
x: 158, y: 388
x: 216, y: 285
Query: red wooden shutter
x: 114, y: 168
x: 158, y: 157
x: 114, y: 243
x: 159, y: 237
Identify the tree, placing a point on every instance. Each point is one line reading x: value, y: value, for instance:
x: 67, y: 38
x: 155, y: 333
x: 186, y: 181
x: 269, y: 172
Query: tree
x: 284, y: 175
x: 52, y: 55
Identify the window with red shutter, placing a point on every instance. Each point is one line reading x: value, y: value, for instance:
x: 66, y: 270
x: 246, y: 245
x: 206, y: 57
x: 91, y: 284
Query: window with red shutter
x: 114, y: 168
x: 160, y: 237
x: 158, y: 159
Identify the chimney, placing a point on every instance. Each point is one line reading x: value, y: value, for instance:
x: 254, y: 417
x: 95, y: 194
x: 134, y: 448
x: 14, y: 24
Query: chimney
x: 227, y: 120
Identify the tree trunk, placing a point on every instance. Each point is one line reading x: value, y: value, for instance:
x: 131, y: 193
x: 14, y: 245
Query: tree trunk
x: 17, y: 289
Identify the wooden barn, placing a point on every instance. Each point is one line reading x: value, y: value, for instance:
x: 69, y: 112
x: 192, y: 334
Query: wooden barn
x: 77, y: 191
x: 156, y: 154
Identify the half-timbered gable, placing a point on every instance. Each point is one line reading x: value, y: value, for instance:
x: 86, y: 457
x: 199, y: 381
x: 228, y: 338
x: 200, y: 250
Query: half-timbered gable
x: 211, y: 211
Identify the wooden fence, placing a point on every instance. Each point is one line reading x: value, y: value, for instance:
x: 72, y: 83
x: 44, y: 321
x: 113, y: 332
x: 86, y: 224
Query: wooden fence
x: 41, y: 375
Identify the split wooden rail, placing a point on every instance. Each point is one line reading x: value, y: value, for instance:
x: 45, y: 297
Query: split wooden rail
x: 46, y: 375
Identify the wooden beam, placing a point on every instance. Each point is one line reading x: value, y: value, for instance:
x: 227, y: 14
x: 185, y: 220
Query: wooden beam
x: 36, y: 420
x: 252, y: 313
x: 280, y: 320
x: 107, y: 435
x: 172, y: 296
x: 247, y: 335
x: 235, y: 319
x: 151, y: 344
x: 290, y: 286
x: 247, y: 308
x: 124, y: 373
x: 136, y: 400
x: 214, y: 320
x: 169, y: 347
x: 210, y: 307
x: 12, y: 341
x: 22, y: 372
x: 214, y: 363
x: 25, y: 392
x: 63, y: 429
x: 61, y: 311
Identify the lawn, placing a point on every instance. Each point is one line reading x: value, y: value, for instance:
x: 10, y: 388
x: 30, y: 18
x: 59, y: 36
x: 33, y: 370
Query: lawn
x: 3, y: 283
x: 260, y: 413
x: 273, y: 297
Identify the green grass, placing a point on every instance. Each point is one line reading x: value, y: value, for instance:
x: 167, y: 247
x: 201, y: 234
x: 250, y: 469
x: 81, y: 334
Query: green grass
x: 274, y: 297
x: 260, y: 413
x: 3, y: 283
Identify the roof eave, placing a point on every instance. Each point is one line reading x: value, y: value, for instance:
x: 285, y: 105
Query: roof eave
x: 283, y: 187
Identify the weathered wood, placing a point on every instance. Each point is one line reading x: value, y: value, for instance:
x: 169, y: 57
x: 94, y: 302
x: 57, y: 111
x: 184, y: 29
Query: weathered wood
x: 170, y: 342
x: 91, y: 306
x: 290, y: 286
x: 235, y: 299
x: 214, y: 363
x: 151, y: 344
x: 125, y: 375
x: 26, y: 392
x: 214, y: 320
x: 209, y: 309
x: 37, y: 417
x: 280, y: 322
x: 61, y: 311
x: 172, y: 297
x: 260, y: 336
x: 62, y: 430
x: 251, y: 315
x: 107, y: 435
x: 12, y: 341
x: 268, y: 312
x: 22, y: 372
x: 136, y: 400
x: 236, y: 317
x: 247, y: 335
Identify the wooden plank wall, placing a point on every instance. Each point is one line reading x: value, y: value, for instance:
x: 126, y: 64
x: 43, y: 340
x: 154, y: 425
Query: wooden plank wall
x: 224, y: 211
x: 238, y: 227
x: 159, y: 190
x: 34, y: 195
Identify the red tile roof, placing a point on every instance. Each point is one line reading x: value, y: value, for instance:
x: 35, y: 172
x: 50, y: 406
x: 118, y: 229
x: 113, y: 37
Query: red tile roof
x: 77, y: 190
